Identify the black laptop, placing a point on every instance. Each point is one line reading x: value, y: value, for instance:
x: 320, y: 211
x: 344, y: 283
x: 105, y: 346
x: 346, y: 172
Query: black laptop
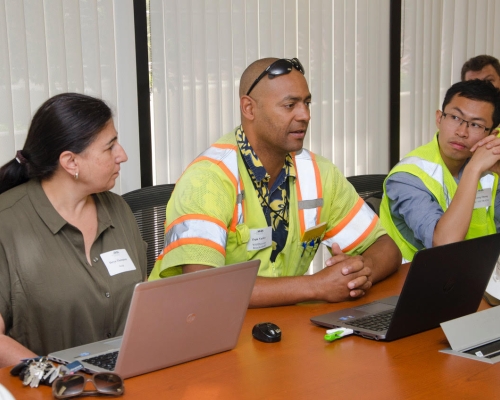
x: 443, y: 283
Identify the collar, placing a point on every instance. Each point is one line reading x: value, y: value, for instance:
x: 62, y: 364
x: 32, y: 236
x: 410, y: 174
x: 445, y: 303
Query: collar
x: 52, y: 218
x: 252, y: 160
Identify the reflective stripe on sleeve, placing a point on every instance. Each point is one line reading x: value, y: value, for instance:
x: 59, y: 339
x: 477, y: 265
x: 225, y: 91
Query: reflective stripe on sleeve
x: 195, y: 229
x: 353, y: 229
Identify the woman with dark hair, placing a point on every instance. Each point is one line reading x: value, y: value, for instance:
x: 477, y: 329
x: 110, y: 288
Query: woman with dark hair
x: 70, y: 250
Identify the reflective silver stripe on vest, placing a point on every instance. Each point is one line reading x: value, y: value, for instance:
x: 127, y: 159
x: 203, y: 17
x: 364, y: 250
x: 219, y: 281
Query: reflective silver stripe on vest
x: 196, y: 228
x: 305, y: 204
x: 356, y: 227
x: 229, y: 158
x: 305, y: 171
x: 239, y: 200
x: 487, y: 181
x: 435, y: 171
x: 224, y: 155
x: 307, y: 181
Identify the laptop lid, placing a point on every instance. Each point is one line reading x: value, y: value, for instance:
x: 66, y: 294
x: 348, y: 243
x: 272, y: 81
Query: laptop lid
x: 177, y: 319
x: 443, y: 283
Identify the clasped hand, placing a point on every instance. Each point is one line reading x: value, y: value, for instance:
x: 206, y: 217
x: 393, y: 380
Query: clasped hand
x: 345, y: 277
x: 486, y: 154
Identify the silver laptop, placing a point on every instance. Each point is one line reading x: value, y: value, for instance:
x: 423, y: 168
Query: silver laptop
x: 174, y: 320
x: 443, y: 283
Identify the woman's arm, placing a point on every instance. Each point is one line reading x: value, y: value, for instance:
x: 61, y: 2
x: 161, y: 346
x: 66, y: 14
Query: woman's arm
x: 11, y: 352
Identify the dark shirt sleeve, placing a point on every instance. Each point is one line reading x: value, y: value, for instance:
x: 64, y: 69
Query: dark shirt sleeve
x: 411, y: 202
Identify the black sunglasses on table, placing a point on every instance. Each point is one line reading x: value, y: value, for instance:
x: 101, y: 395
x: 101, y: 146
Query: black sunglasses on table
x: 279, y: 67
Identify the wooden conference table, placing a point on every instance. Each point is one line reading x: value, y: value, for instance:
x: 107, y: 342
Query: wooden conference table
x: 304, y: 366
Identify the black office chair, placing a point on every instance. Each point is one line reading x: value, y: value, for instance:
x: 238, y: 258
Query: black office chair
x: 148, y: 205
x: 370, y: 188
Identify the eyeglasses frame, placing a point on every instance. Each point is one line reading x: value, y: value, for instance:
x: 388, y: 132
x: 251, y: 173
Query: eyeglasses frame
x: 463, y: 120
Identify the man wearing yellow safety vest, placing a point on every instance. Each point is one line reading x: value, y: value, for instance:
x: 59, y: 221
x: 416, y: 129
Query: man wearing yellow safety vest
x: 446, y: 191
x: 257, y: 194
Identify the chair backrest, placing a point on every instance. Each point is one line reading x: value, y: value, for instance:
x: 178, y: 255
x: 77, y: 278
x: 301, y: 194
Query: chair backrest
x: 148, y: 205
x: 370, y: 188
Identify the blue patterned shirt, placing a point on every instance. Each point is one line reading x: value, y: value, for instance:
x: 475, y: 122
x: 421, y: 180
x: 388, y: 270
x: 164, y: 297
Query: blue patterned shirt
x: 274, y: 201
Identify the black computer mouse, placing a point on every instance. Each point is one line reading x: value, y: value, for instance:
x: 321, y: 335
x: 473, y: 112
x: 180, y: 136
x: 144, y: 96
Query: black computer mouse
x: 267, y: 332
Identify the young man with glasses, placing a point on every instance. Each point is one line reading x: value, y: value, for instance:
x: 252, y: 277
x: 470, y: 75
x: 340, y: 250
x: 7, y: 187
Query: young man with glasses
x: 257, y: 194
x: 446, y: 190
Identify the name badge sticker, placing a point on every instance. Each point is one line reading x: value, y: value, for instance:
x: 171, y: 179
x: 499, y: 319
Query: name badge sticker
x: 483, y: 198
x: 117, y: 261
x: 260, y: 238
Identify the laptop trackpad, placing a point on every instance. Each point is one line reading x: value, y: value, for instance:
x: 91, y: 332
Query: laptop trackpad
x: 374, y: 308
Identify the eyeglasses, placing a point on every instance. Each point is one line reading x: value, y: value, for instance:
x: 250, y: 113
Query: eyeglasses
x: 454, y: 122
x: 106, y: 383
x: 279, y: 67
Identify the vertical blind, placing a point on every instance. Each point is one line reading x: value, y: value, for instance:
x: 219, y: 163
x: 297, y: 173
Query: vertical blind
x: 438, y: 36
x: 53, y: 46
x: 199, y: 50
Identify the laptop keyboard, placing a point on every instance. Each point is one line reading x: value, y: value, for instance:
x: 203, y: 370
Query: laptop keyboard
x: 106, y: 361
x: 376, y: 322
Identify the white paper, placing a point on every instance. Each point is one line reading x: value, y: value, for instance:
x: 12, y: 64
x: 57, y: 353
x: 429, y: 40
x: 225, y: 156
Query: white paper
x: 483, y: 198
x: 260, y: 238
x: 117, y: 261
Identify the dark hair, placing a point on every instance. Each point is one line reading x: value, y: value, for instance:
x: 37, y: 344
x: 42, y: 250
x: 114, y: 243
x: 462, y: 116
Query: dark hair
x: 479, y: 90
x: 65, y: 122
x: 478, y: 63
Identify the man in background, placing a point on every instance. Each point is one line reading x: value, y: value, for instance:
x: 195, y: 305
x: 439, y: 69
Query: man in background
x: 257, y: 194
x: 482, y: 67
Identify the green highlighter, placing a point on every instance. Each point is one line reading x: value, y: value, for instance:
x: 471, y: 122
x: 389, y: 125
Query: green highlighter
x: 337, y: 333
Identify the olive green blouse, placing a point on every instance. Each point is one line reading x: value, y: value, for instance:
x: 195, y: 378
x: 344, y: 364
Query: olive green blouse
x: 50, y: 297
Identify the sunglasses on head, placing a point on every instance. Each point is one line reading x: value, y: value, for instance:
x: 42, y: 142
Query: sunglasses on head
x: 106, y: 383
x: 279, y: 67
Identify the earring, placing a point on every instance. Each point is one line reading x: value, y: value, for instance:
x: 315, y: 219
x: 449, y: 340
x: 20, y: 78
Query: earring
x: 76, y: 176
